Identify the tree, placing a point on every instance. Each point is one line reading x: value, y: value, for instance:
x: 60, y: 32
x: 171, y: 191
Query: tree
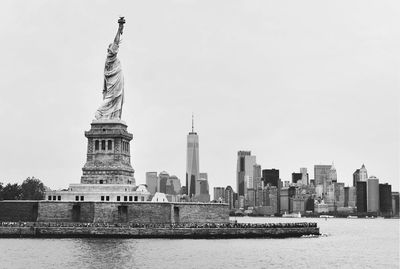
x: 11, y: 192
x: 1, y: 191
x: 32, y: 189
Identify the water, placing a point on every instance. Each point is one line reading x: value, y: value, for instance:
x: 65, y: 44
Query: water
x: 349, y: 243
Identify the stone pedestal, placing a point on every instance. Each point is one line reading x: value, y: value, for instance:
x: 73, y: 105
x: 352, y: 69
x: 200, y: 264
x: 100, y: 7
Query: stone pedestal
x: 108, y: 154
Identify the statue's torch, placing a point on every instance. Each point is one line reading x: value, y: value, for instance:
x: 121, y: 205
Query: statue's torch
x: 121, y: 23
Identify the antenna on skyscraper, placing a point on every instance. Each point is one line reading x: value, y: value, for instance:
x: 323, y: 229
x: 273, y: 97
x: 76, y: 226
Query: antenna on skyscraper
x: 192, y: 123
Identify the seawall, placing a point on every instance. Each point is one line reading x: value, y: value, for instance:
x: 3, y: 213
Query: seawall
x: 120, y: 232
x: 112, y: 212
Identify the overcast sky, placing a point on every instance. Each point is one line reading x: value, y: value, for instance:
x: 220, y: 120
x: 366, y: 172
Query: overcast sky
x: 296, y: 82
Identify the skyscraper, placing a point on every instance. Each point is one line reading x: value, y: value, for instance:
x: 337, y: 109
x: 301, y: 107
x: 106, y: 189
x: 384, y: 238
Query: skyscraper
x: 297, y: 177
x: 192, y: 161
x: 219, y: 194
x: 152, y: 182
x: 162, y: 182
x: 360, y: 175
x: 321, y: 175
x: 372, y: 194
x: 361, y: 188
x: 229, y: 197
x: 245, y: 166
x: 332, y: 176
x: 385, y: 199
x: 271, y: 177
x: 202, y: 189
x: 304, y: 178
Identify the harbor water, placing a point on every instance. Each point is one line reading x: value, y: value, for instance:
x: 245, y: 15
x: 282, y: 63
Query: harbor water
x: 345, y: 243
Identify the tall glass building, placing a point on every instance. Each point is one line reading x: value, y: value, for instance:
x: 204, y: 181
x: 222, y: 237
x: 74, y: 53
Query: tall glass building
x: 192, y: 162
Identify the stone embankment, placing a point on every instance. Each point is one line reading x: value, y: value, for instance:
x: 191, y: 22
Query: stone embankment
x: 212, y: 231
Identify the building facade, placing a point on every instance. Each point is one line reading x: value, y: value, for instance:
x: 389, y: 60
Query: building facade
x: 373, y: 194
x: 321, y: 175
x: 152, y: 182
x: 244, y: 170
x: 192, y: 162
x: 219, y: 194
x: 385, y: 199
x: 361, y: 187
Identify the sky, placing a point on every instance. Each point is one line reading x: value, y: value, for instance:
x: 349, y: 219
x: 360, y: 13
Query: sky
x: 298, y: 83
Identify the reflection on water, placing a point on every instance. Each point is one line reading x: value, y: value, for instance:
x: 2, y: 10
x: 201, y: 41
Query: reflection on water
x: 354, y: 243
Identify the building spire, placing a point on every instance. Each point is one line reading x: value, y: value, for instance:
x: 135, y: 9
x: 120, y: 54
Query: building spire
x: 192, y: 123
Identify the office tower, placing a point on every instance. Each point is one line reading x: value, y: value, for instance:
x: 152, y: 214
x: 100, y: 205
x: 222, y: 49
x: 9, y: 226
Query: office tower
x: 173, y: 185
x: 363, y: 173
x: 200, y: 181
x: 360, y: 175
x: 352, y: 197
x: 395, y: 204
x: 229, y: 197
x: 297, y: 177
x: 245, y: 165
x: 250, y: 193
x: 274, y: 199
x: 271, y: 177
x: 202, y: 189
x: 304, y: 177
x: 332, y: 176
x: 152, y: 182
x: 257, y: 176
x: 385, y: 199
x: 321, y: 174
x: 372, y: 194
x: 339, y: 194
x: 284, y: 200
x: 361, y: 187
x: 219, y: 194
x: 356, y: 177
x: 192, y: 161
x: 162, y: 182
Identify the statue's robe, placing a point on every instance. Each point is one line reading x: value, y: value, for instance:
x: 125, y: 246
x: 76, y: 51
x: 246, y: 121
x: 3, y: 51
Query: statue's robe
x: 113, y: 89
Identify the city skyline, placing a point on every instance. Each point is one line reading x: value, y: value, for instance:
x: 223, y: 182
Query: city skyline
x: 293, y: 97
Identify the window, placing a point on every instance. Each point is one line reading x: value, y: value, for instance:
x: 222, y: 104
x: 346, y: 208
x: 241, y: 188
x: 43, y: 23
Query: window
x: 76, y: 198
x: 82, y: 198
x: 96, y: 145
x: 109, y: 145
x: 101, y: 181
x: 142, y: 198
x: 54, y: 198
x: 136, y: 198
x: 102, y: 198
x: 103, y: 145
x: 118, y: 198
x: 59, y: 198
x: 107, y: 198
x: 49, y: 198
x: 130, y: 198
x: 125, y: 198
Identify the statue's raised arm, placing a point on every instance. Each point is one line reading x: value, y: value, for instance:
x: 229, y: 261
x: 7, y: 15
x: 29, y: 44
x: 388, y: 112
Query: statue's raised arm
x: 113, y: 89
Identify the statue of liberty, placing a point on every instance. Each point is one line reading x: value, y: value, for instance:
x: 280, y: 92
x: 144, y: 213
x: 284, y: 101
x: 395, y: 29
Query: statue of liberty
x: 113, y: 89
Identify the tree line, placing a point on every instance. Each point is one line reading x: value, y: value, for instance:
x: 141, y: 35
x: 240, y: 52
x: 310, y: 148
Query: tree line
x: 31, y: 189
